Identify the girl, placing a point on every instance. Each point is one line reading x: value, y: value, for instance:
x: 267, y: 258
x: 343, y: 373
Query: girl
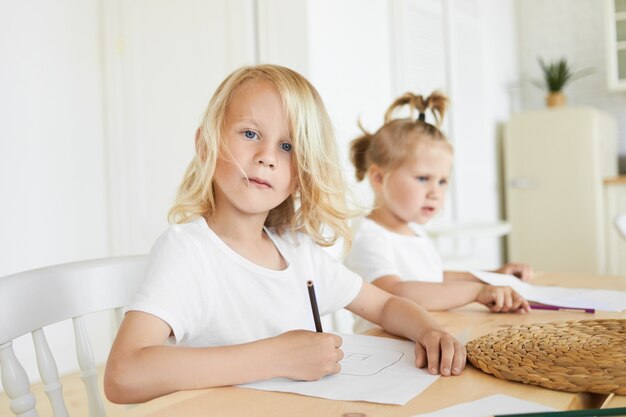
x: 225, y: 298
x: 408, y: 163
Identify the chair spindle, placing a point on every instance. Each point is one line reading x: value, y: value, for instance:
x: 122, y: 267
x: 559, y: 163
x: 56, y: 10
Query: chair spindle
x: 16, y: 383
x: 89, y: 373
x: 49, y: 374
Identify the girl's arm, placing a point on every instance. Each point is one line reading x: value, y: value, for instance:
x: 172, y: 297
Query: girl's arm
x: 449, y: 295
x: 523, y: 272
x: 434, y: 347
x: 140, y: 367
x: 456, y: 276
x: 431, y: 295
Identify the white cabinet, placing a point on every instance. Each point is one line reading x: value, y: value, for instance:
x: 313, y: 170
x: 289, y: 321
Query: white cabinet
x: 616, y: 43
x: 615, y: 197
x: 555, y: 165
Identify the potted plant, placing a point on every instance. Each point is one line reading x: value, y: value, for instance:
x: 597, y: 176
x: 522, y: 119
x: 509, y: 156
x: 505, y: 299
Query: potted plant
x: 555, y: 76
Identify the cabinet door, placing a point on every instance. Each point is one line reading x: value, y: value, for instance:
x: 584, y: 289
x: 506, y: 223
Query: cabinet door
x: 554, y: 190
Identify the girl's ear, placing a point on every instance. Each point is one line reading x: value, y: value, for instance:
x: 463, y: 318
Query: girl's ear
x: 200, y: 146
x: 376, y: 175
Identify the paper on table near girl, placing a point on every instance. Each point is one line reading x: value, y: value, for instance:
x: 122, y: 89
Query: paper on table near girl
x: 489, y: 406
x: 374, y: 369
x: 603, y: 300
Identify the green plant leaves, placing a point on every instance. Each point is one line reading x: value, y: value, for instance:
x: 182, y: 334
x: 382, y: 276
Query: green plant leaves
x: 557, y: 74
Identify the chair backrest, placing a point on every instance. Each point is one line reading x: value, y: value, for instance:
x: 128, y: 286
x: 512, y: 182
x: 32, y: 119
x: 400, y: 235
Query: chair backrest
x: 31, y: 300
x: 620, y: 223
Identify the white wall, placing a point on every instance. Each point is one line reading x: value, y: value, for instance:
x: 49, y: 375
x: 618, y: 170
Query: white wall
x: 52, y: 173
x: 471, y: 125
x: 476, y: 83
x: 352, y: 68
x: 574, y: 29
x: 52, y: 176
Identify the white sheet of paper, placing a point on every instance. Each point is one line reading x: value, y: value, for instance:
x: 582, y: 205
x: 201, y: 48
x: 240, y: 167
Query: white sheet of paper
x: 374, y: 369
x: 489, y: 406
x: 603, y: 300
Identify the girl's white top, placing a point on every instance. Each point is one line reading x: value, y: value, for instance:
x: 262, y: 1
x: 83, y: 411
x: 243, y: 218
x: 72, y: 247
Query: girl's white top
x: 210, y: 295
x: 377, y: 252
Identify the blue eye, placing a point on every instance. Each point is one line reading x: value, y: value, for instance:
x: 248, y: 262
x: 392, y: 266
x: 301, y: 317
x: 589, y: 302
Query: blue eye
x: 286, y: 147
x: 249, y: 134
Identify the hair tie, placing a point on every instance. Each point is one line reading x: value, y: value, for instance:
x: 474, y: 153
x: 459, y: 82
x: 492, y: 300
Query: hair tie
x: 422, y: 117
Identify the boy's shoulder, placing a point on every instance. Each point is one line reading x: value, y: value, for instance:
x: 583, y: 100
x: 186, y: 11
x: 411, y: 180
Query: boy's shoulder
x: 183, y: 235
x: 194, y: 225
x: 193, y: 228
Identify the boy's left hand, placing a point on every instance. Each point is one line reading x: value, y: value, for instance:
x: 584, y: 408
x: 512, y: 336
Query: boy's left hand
x: 441, y: 352
x: 523, y: 272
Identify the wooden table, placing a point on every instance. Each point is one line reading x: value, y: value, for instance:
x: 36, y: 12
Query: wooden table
x: 471, y: 385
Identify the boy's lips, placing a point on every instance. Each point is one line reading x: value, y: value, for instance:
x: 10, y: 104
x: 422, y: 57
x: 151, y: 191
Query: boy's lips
x: 259, y: 182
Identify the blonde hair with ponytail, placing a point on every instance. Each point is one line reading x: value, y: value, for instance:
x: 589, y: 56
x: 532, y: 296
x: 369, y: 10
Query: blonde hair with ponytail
x: 319, y: 204
x: 394, y: 144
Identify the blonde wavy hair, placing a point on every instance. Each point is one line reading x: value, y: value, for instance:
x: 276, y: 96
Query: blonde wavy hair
x: 395, y: 142
x: 319, y: 203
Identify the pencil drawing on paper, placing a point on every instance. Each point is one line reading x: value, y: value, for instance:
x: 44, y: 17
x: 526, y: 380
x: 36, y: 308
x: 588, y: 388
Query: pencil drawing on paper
x: 367, y: 361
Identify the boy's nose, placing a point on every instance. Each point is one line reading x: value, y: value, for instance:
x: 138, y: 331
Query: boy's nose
x: 265, y: 157
x: 266, y: 162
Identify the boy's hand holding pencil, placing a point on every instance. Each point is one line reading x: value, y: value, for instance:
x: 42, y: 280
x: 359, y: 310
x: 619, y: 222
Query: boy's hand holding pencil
x: 304, y: 355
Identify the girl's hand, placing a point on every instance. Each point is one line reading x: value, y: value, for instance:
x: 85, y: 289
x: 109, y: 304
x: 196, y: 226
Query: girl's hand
x: 502, y: 299
x: 523, y: 272
x: 441, y: 352
x: 308, y: 356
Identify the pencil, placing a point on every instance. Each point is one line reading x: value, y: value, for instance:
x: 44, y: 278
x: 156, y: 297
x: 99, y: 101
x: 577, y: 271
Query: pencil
x: 316, y: 312
x: 620, y: 411
x: 559, y: 308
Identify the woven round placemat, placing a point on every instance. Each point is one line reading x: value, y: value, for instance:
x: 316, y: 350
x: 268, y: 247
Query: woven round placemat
x: 573, y: 356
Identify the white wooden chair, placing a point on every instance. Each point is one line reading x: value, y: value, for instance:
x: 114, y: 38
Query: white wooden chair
x: 620, y: 224
x: 31, y: 300
x: 461, y: 252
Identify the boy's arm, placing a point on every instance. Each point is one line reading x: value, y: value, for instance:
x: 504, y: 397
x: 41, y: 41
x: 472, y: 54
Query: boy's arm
x: 140, y: 367
x: 433, y: 346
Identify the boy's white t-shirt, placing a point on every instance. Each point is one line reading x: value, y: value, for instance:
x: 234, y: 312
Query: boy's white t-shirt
x: 377, y: 252
x: 212, y: 296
